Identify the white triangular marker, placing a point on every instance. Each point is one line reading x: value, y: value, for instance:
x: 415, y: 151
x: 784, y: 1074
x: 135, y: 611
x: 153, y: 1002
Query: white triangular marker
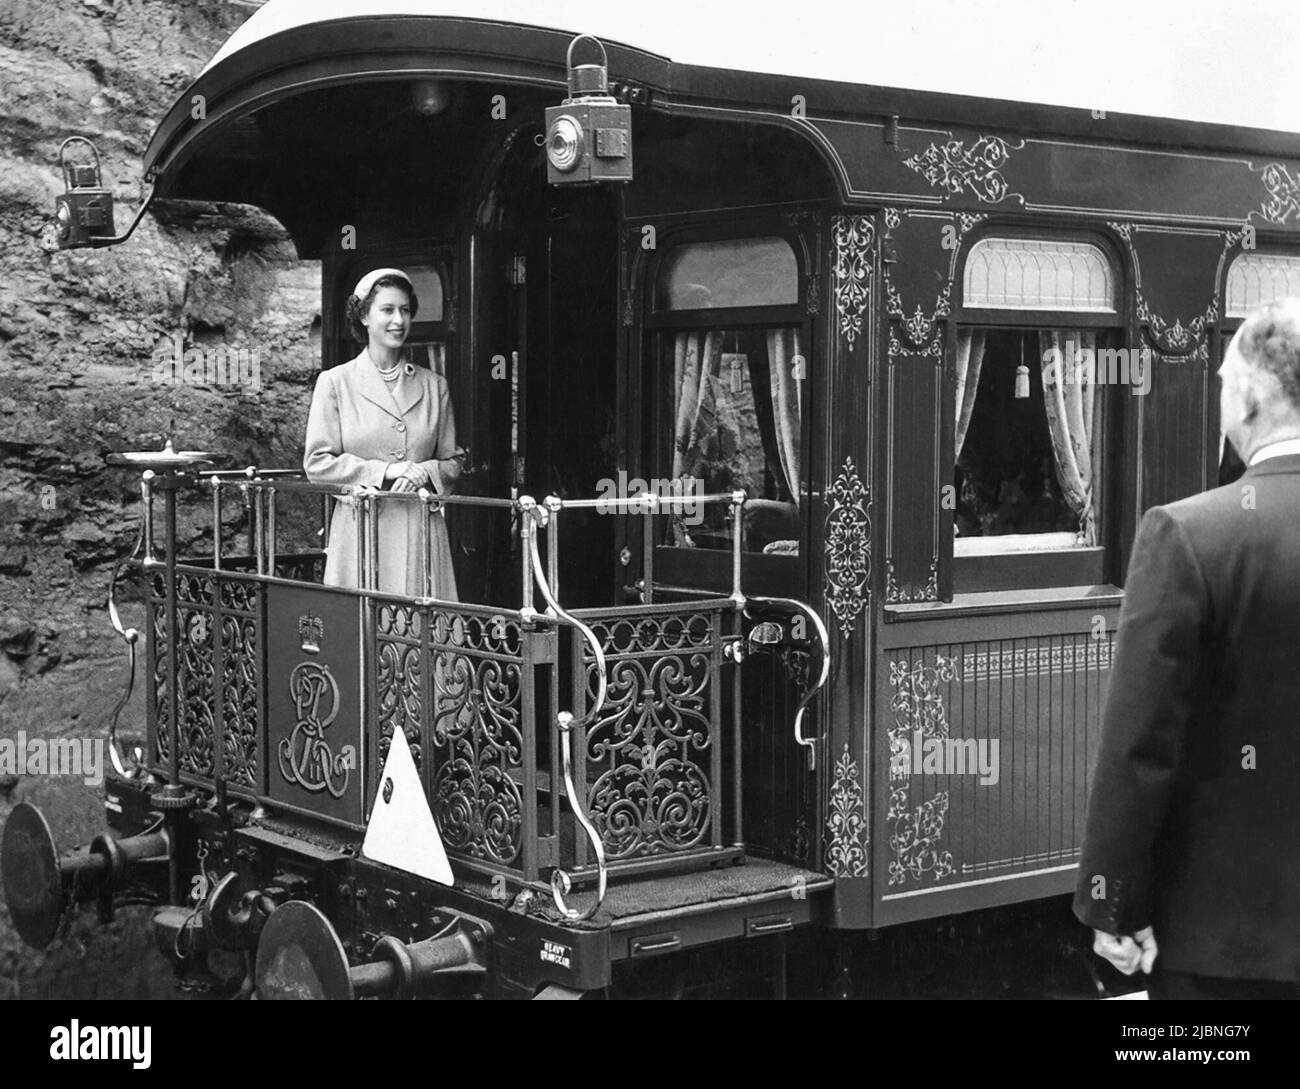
x: 402, y: 832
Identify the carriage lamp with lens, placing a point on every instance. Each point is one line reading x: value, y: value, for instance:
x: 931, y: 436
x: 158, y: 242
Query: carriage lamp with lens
x: 83, y: 212
x: 589, y: 135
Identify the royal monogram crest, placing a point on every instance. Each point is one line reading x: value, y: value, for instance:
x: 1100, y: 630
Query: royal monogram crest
x: 306, y: 758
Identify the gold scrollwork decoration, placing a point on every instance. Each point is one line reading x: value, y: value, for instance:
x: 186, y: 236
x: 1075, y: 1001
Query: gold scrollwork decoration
x: 1283, y: 188
x: 854, y: 237
x: 896, y: 594
x: 915, y: 831
x: 847, y: 828
x: 848, y: 547
x: 956, y: 168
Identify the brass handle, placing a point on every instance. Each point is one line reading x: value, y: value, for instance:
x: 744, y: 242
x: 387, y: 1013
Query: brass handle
x: 128, y: 767
x: 561, y: 883
x: 824, y: 645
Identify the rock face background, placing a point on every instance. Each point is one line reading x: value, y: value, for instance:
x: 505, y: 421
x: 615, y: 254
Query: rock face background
x: 78, y: 332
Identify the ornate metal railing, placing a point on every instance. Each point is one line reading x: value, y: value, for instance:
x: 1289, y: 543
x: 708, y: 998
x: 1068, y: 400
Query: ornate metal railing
x: 257, y: 681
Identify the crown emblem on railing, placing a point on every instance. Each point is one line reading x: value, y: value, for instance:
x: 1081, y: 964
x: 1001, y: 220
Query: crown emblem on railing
x: 311, y: 629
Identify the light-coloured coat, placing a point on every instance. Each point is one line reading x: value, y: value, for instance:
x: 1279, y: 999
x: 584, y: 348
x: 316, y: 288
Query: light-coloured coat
x: 356, y: 428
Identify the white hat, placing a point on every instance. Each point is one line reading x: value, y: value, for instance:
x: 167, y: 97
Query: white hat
x: 369, y: 279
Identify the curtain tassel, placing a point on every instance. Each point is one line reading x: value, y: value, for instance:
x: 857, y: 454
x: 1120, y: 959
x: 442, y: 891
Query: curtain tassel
x: 1022, y: 382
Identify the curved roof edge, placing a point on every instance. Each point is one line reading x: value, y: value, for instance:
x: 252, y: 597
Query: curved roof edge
x: 1157, y: 59
x: 295, y: 45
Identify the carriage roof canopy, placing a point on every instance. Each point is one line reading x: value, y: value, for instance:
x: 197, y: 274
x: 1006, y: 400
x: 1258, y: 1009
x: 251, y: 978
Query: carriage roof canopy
x: 1057, y: 86
x: 1101, y: 55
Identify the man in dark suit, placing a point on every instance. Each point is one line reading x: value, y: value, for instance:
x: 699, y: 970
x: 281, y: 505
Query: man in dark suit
x: 1193, y: 835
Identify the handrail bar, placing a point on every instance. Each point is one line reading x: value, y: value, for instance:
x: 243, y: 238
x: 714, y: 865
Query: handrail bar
x: 250, y: 473
x: 351, y: 491
x: 637, y: 504
x: 561, y: 883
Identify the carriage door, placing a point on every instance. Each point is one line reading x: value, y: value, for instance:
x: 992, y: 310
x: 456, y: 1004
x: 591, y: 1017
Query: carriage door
x: 728, y: 395
x: 546, y: 264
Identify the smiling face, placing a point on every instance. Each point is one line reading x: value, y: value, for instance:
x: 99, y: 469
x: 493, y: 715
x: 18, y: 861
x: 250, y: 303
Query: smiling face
x: 388, y: 321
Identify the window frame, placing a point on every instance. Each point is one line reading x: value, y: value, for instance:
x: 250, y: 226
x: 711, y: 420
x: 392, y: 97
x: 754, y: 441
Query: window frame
x: 678, y: 565
x: 439, y: 256
x: 1090, y: 565
x: 1234, y: 320
x: 1227, y: 329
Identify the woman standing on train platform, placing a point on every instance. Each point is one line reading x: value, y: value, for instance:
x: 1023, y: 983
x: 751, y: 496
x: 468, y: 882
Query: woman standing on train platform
x: 376, y: 421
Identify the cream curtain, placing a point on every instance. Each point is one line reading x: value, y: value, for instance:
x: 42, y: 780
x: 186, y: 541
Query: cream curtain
x: 970, y: 361
x: 783, y: 346
x: 696, y: 357
x: 1069, y: 395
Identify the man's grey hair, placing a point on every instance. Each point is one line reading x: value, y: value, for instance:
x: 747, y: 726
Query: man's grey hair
x: 1269, y: 341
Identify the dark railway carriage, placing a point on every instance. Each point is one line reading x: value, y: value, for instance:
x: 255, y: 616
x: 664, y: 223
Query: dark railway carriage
x: 948, y: 349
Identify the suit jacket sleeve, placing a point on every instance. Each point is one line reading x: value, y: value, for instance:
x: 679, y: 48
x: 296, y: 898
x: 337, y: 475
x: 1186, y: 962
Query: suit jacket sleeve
x: 444, y: 468
x: 324, y: 459
x: 1157, y: 658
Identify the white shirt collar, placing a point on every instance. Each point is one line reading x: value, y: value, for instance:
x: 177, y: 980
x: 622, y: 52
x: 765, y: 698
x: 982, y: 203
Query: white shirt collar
x: 1276, y: 450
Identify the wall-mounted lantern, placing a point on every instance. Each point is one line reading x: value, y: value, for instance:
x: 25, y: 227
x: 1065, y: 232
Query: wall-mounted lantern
x: 85, y: 210
x: 589, y: 135
x: 83, y: 213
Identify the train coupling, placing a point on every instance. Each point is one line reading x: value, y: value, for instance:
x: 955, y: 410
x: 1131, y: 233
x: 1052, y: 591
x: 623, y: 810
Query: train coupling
x: 300, y: 957
x: 39, y: 886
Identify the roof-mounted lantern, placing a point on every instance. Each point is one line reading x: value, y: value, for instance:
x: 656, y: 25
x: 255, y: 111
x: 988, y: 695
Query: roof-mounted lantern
x: 589, y: 135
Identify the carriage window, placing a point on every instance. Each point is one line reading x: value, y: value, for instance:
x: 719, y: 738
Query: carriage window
x: 427, y: 282
x: 1038, y: 274
x: 1026, y: 440
x: 737, y: 398
x: 734, y: 273
x: 1028, y: 413
x: 426, y: 346
x: 1256, y: 279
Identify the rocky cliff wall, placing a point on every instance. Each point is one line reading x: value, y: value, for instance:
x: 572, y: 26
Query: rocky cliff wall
x: 78, y: 337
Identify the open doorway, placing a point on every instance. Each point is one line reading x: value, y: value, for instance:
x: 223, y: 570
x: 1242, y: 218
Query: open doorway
x: 544, y: 367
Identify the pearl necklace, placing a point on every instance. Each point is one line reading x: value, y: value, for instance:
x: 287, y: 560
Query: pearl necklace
x: 389, y: 375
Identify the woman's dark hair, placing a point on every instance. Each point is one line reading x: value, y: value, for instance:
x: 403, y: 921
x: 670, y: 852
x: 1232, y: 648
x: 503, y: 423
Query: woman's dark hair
x: 358, y: 308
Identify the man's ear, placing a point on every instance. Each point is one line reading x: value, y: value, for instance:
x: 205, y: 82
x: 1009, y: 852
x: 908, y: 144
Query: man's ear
x: 1252, y: 399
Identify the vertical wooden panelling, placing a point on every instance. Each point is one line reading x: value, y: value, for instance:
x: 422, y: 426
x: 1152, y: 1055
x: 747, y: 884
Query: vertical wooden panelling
x: 914, y: 391
x: 1176, y: 428
x: 989, y: 743
x: 1176, y: 278
x: 847, y: 511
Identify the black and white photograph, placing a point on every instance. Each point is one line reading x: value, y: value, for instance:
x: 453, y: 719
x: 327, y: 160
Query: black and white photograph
x: 584, y: 501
